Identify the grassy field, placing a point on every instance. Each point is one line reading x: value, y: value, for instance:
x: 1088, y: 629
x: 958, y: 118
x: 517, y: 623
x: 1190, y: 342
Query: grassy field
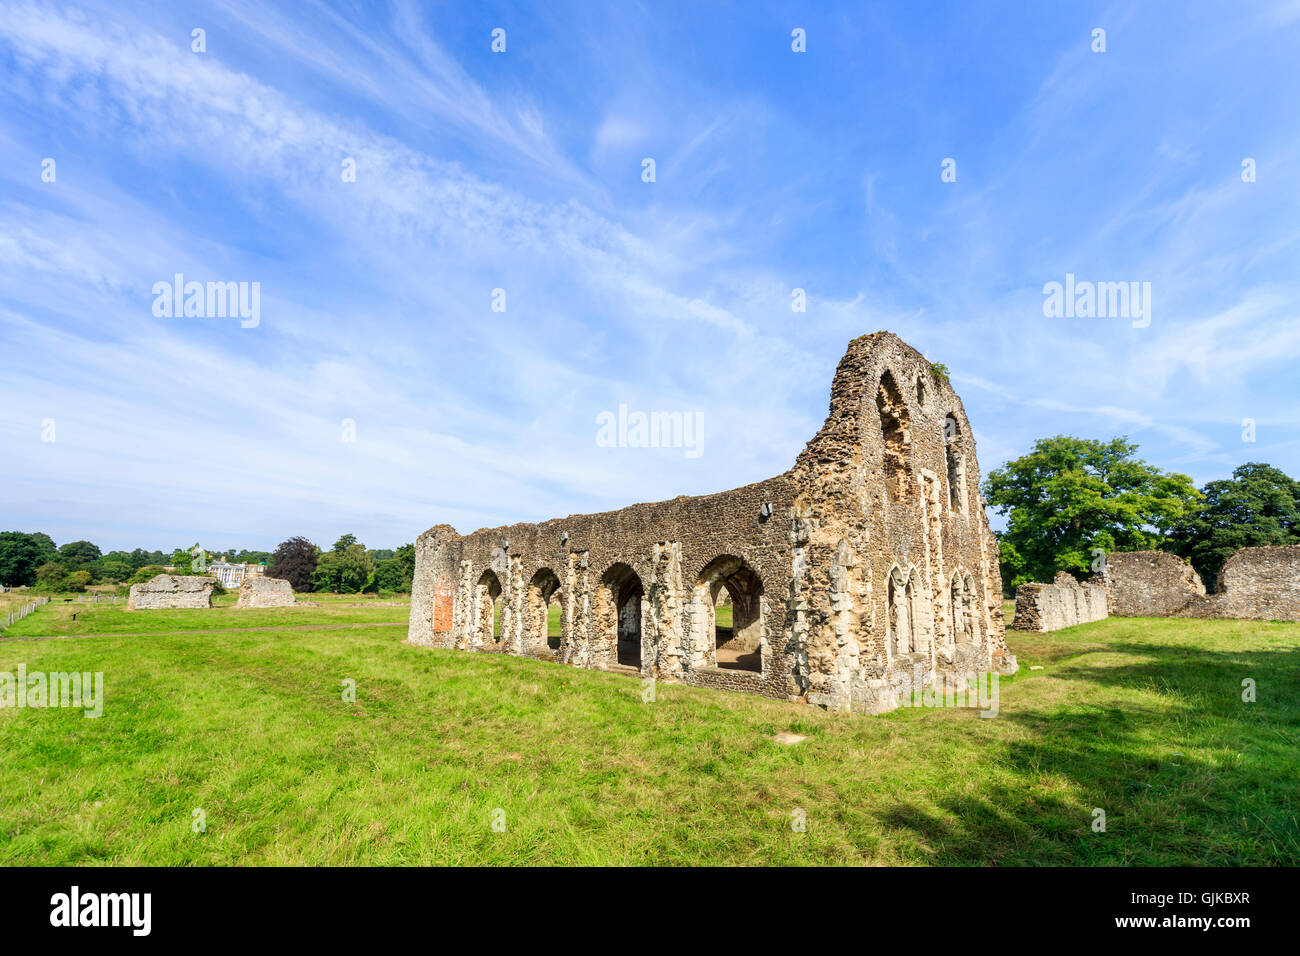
x: 1141, y: 718
x: 71, y: 618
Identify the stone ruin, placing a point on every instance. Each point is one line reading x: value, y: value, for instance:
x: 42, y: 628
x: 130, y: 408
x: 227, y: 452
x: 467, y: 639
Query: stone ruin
x: 169, y: 591
x: 261, y: 591
x: 855, y: 577
x: 1063, y: 603
x: 1149, y: 584
x: 1254, y: 584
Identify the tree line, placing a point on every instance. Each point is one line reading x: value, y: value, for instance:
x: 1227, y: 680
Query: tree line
x: 1071, y: 501
x: 1068, y: 503
x: 32, y: 559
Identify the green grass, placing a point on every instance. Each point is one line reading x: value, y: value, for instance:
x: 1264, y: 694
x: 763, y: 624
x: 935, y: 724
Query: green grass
x: 56, y: 618
x: 1143, y: 718
x: 553, y: 621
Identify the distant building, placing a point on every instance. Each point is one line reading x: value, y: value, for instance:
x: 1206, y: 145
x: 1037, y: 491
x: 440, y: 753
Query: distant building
x: 232, y: 576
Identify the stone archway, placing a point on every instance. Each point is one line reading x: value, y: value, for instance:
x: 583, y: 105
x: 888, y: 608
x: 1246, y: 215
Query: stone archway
x: 486, y: 630
x: 616, y: 619
x: 543, y: 590
x: 738, y: 646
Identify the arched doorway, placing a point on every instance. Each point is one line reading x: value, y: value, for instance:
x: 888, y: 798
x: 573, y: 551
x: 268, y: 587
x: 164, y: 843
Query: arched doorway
x: 487, y: 610
x: 617, y: 618
x: 730, y: 626
x: 543, y: 594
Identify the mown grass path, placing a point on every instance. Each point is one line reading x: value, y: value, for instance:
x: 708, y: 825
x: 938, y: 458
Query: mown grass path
x: 1141, y: 718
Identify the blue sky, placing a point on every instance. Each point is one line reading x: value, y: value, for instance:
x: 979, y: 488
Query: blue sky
x: 522, y: 171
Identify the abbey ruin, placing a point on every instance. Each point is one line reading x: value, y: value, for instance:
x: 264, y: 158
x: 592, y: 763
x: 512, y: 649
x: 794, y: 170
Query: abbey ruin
x: 861, y: 572
x: 1259, y: 583
x: 170, y: 591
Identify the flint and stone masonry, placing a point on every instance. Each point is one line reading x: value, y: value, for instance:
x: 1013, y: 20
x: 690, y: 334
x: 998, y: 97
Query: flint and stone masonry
x: 166, y: 591
x: 265, y: 592
x: 1150, y: 584
x: 854, y: 577
x: 1063, y: 603
x: 1254, y: 584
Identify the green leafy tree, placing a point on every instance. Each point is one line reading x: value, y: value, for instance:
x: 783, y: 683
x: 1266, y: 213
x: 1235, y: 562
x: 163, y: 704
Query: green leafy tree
x: 348, y: 571
x: 140, y: 557
x: 76, y: 581
x: 343, y: 543
x: 114, y: 570
x: 78, y: 553
x: 295, y: 561
x: 1258, y: 506
x: 51, y: 574
x: 187, y: 560
x: 21, y: 554
x: 147, y: 573
x: 397, y: 572
x: 1071, y: 498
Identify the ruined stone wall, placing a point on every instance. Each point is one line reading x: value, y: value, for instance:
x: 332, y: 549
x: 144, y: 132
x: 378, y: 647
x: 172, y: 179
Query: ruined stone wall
x: 869, y: 559
x: 265, y: 592
x: 166, y: 591
x: 1149, y: 584
x: 1255, y: 583
x: 1063, y: 603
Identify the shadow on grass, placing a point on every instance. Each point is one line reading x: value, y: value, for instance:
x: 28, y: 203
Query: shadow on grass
x: 1159, y: 738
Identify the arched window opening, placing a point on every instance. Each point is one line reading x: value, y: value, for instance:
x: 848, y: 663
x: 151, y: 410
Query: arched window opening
x: 894, y: 430
x: 956, y: 465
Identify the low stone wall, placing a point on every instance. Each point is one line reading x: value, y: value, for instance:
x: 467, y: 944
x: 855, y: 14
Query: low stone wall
x: 1256, y: 584
x: 1063, y: 603
x: 265, y: 592
x: 1150, y: 584
x: 170, y: 591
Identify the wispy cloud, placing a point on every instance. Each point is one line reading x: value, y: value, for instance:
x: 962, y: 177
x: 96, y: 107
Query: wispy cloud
x: 521, y: 172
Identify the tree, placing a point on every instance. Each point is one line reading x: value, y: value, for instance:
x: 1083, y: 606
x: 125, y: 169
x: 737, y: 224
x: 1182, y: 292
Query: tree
x: 77, y: 553
x: 51, y: 574
x: 1258, y: 506
x: 1072, y: 498
x: 347, y: 571
x: 21, y: 554
x: 114, y: 571
x: 396, y: 573
x: 343, y: 543
x: 140, y: 557
x: 76, y: 581
x: 147, y: 573
x: 294, y: 561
